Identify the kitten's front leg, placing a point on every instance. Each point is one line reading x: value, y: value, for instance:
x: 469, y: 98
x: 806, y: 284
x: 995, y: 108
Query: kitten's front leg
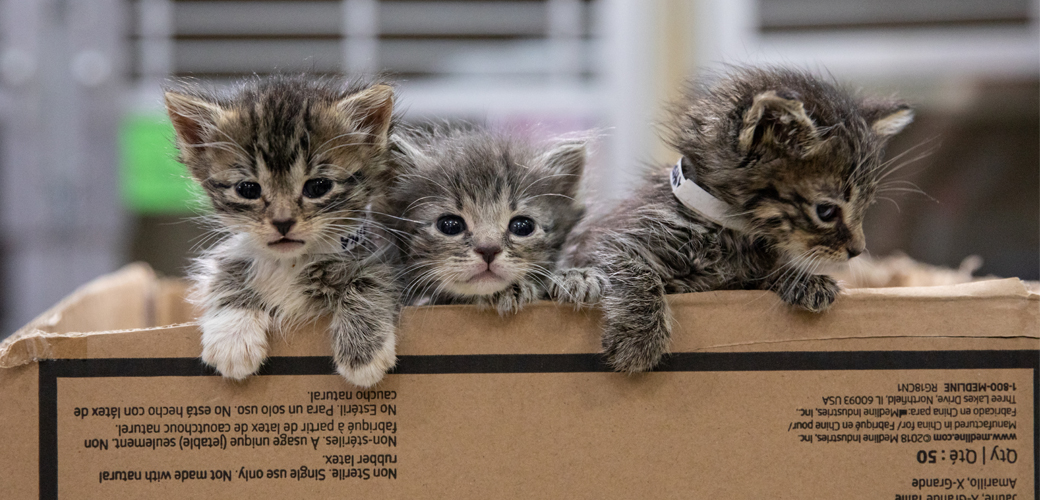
x: 364, y: 317
x: 235, y: 322
x: 636, y: 328
x: 582, y: 286
x: 814, y: 293
x: 234, y: 340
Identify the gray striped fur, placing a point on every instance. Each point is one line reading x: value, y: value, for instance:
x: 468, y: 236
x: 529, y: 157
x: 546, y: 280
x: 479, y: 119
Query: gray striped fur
x: 776, y: 145
x: 279, y: 133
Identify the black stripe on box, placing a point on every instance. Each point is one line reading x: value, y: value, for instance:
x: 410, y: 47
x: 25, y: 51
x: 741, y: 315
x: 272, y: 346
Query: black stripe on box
x: 51, y: 370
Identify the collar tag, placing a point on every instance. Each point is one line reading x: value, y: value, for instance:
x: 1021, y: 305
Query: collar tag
x: 697, y: 199
x: 352, y: 241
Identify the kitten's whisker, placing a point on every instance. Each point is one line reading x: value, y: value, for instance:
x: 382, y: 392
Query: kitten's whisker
x: 318, y: 151
x: 914, y: 190
x: 437, y: 294
x: 891, y: 200
x: 425, y: 280
x: 551, y: 194
x: 345, y: 145
x: 205, y: 239
x: 927, y: 142
x: 888, y: 168
x: 413, y: 204
x: 435, y: 183
x: 551, y: 275
x: 897, y: 182
x: 213, y: 128
x: 411, y: 269
x: 383, y: 214
x: 540, y: 179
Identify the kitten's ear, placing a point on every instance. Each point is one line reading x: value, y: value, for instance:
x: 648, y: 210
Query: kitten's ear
x: 567, y: 161
x: 370, y: 111
x: 403, y: 147
x: 191, y: 116
x: 778, y: 123
x: 887, y: 117
x: 405, y: 153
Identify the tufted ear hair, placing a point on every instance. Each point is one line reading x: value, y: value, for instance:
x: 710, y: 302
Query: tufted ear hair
x: 779, y: 124
x: 405, y: 153
x: 886, y: 117
x: 567, y: 161
x: 193, y: 120
x: 370, y: 112
x: 191, y: 116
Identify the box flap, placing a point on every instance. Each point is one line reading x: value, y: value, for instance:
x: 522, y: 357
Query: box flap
x: 122, y: 309
x: 120, y: 301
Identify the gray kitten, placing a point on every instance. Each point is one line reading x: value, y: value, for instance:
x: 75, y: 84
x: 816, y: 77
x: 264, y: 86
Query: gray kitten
x: 779, y: 167
x: 292, y: 167
x: 482, y: 216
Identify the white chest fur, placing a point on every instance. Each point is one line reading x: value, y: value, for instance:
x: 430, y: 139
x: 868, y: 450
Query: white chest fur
x: 279, y: 284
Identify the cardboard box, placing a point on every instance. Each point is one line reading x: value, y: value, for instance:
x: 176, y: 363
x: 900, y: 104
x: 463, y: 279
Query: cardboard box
x: 913, y: 393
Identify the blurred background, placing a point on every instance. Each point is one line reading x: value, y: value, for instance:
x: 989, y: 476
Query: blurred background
x: 88, y: 180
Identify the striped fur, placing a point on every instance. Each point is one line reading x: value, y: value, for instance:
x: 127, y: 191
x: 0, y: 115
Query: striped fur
x: 292, y: 167
x: 781, y: 148
x: 488, y: 180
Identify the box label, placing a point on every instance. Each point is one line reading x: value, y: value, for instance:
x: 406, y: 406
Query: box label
x: 817, y: 425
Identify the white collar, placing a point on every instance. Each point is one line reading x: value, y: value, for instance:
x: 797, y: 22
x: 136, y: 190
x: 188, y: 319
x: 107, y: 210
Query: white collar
x: 697, y: 199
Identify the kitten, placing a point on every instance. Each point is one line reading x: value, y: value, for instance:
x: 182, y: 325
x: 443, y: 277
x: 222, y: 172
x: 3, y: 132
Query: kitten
x: 778, y: 167
x: 482, y: 216
x: 291, y: 167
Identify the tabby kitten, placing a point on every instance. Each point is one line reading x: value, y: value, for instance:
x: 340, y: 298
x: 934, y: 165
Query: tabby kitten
x: 482, y: 216
x: 292, y: 167
x: 776, y: 172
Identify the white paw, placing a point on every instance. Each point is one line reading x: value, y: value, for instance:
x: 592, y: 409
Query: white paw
x: 368, y: 375
x: 234, y: 341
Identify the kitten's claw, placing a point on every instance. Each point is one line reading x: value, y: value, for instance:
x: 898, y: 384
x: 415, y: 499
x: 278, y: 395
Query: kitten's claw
x: 367, y: 375
x: 581, y: 286
x: 513, y: 299
x: 816, y: 293
x: 234, y: 341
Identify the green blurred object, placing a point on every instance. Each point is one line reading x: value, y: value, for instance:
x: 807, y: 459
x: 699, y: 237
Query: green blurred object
x: 151, y: 179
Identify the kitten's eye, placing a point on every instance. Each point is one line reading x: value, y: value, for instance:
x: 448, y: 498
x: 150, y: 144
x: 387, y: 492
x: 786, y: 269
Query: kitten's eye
x: 451, y: 225
x: 827, y: 212
x: 316, y: 188
x: 521, y: 226
x: 248, y: 190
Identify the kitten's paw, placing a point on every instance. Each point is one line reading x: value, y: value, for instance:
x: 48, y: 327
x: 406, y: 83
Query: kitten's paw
x: 368, y: 374
x: 580, y: 286
x: 324, y: 280
x: 815, y: 293
x: 513, y: 299
x: 634, y: 350
x: 234, y: 341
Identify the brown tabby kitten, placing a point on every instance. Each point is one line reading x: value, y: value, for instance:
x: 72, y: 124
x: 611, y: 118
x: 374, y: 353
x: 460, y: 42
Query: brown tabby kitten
x: 786, y: 165
x: 482, y: 216
x: 292, y: 167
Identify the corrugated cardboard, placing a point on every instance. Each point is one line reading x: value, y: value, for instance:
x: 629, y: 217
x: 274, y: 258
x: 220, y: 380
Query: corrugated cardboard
x: 909, y: 393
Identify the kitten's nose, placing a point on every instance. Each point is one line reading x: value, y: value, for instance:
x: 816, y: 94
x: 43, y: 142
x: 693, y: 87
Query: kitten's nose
x: 854, y: 251
x: 283, y: 226
x: 488, y: 252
